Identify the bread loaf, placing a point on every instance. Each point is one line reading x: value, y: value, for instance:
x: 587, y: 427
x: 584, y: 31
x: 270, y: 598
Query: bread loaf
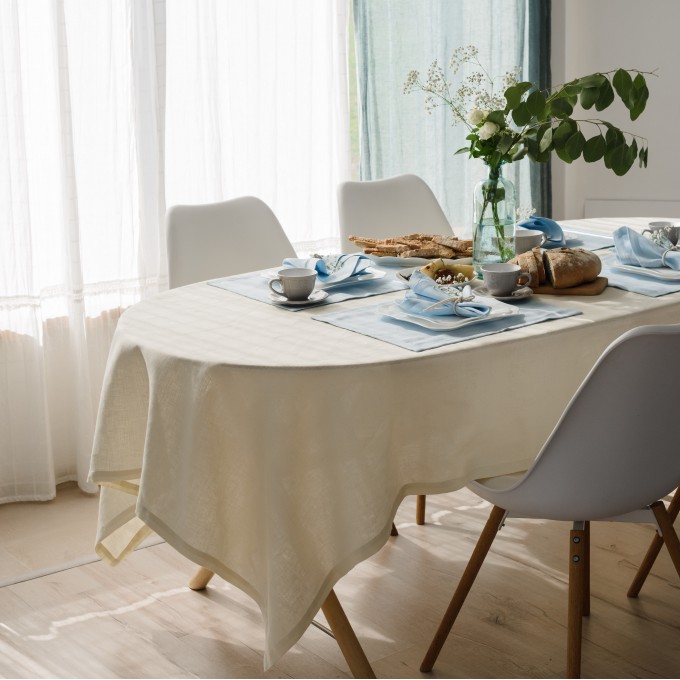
x: 568, y: 267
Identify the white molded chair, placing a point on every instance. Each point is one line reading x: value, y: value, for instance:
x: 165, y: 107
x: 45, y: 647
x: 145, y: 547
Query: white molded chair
x: 222, y: 239
x: 384, y: 208
x: 388, y: 207
x: 612, y: 456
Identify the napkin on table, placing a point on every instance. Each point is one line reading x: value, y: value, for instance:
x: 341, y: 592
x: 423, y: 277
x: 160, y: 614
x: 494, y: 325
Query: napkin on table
x: 634, y: 249
x: 424, y: 292
x: 550, y: 228
x: 332, y: 268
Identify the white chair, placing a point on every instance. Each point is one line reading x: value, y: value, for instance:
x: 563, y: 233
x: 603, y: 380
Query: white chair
x: 612, y: 456
x: 222, y: 239
x: 388, y: 207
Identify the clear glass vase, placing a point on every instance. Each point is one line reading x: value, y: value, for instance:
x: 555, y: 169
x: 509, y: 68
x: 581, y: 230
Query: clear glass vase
x: 493, y: 238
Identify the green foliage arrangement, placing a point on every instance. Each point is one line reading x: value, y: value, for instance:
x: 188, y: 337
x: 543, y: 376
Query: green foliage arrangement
x: 528, y: 121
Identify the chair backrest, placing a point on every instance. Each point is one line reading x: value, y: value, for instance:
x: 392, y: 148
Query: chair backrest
x: 221, y: 239
x: 388, y: 207
x: 616, y: 447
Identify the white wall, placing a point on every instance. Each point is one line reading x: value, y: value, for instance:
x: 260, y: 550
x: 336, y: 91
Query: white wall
x: 601, y: 35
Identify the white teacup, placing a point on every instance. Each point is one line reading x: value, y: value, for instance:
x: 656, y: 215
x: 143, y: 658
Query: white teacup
x: 503, y: 278
x: 672, y: 230
x: 526, y: 239
x: 296, y: 284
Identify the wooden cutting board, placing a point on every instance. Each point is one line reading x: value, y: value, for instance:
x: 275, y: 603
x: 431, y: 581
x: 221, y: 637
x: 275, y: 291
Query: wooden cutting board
x: 592, y: 288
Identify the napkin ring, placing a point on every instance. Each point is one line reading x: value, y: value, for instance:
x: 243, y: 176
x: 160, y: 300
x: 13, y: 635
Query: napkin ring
x: 665, y: 252
x: 455, y: 300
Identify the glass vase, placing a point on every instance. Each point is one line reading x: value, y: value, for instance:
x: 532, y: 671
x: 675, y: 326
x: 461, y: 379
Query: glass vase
x: 493, y: 238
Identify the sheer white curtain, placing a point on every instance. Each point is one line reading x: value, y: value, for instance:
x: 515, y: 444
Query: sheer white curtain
x: 81, y: 212
x: 257, y: 103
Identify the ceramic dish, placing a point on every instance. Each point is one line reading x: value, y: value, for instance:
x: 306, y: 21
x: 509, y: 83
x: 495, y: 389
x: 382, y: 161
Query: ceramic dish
x: 448, y: 323
x: 314, y: 299
x: 388, y: 261
x: 519, y: 294
x: 405, y: 274
x: 369, y: 274
x: 655, y: 273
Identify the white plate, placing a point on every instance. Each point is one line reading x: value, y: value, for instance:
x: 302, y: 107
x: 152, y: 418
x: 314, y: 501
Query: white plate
x: 522, y: 294
x: 388, y: 261
x: 405, y: 274
x: 655, y: 273
x: 449, y: 323
x: 316, y: 297
x: 368, y: 274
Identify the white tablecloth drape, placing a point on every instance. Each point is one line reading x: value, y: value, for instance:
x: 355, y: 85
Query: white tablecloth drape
x: 275, y: 450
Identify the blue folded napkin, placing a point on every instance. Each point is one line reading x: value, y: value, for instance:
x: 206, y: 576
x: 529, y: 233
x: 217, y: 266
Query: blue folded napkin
x: 549, y: 227
x: 332, y: 268
x: 425, y: 292
x: 634, y: 249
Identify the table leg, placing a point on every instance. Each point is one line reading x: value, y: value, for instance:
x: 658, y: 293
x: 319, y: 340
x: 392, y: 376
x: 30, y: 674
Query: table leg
x: 420, y: 509
x: 200, y: 579
x: 337, y: 620
x: 346, y: 638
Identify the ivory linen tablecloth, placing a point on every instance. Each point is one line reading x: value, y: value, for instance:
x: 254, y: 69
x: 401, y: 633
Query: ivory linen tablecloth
x: 274, y: 449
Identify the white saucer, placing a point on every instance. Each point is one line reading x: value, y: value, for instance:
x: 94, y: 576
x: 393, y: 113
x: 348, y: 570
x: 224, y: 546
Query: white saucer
x: 316, y: 297
x: 521, y: 293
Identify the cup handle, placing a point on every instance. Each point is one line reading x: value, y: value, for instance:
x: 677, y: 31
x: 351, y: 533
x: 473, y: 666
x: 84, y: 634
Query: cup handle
x: 271, y: 285
x: 528, y: 279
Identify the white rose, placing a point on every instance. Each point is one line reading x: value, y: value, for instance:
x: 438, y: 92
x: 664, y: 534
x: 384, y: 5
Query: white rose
x: 476, y: 116
x: 488, y: 130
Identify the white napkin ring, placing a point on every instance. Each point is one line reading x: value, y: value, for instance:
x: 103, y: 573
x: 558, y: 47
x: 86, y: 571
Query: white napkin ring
x: 665, y: 252
x: 455, y: 300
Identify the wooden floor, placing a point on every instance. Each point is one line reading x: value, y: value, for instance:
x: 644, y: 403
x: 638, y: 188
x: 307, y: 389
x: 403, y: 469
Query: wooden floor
x: 139, y: 619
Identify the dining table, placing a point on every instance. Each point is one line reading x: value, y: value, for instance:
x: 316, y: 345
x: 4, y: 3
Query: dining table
x: 272, y: 445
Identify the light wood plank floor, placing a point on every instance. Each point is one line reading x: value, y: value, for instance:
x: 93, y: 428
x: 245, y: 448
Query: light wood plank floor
x: 139, y: 619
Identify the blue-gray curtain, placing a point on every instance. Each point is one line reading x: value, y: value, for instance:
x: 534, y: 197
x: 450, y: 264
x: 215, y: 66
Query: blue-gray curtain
x: 397, y: 134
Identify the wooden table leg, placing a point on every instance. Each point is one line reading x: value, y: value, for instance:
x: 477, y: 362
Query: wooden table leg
x: 346, y: 638
x: 200, y: 579
x: 420, y: 509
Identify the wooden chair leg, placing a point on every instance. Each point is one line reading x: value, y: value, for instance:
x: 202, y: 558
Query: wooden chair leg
x: 669, y: 536
x: 394, y: 531
x: 577, y: 583
x: 586, y: 569
x: 201, y: 578
x: 346, y: 638
x: 420, y: 509
x: 653, y: 551
x: 476, y: 560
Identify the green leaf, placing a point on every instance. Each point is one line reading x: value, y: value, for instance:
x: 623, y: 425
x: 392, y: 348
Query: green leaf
x: 463, y: 149
x: 615, y: 156
x: 521, y: 115
x: 594, y: 149
x: 595, y: 80
x: 562, y: 133
x: 574, y: 145
x: 520, y: 153
x: 589, y: 96
x: 640, y: 103
x: 532, y: 149
x: 572, y: 88
x: 622, y: 83
x: 505, y: 143
x: 614, y: 137
x: 561, y: 108
x: 497, y: 117
x: 536, y: 104
x: 562, y: 153
x: 639, y: 82
x: 606, y: 96
x: 513, y: 95
x: 546, y: 140
x: 622, y: 160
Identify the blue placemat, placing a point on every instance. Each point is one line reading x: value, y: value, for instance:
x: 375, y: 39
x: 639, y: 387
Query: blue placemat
x: 370, y: 321
x: 254, y: 286
x: 576, y: 239
x: 638, y: 283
